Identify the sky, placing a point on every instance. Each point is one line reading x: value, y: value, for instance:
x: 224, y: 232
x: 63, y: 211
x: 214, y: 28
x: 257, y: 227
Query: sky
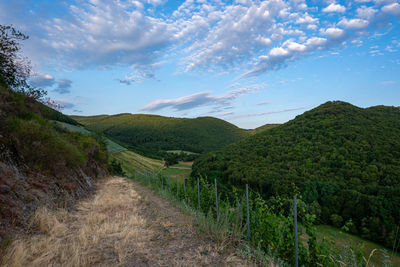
x: 247, y: 62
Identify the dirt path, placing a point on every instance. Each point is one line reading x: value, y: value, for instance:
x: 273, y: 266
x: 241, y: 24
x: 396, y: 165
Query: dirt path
x: 123, y: 224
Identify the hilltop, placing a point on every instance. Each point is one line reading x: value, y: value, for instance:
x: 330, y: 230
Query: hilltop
x: 338, y: 156
x: 150, y: 134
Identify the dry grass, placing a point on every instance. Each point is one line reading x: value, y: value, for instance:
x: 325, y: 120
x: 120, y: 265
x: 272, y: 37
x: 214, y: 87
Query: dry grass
x: 101, y: 232
x: 116, y: 227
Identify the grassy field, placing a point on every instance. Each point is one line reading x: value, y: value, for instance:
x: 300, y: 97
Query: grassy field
x: 131, y: 161
x: 72, y: 128
x: 112, y: 146
x: 174, y: 172
x: 342, y: 239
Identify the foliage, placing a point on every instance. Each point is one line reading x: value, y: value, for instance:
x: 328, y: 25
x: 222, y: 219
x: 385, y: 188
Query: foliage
x: 271, y: 222
x: 263, y: 128
x: 42, y: 145
x: 174, y: 157
x: 13, y: 70
x: 55, y: 115
x: 339, y: 157
x: 171, y: 159
x: 151, y: 134
x: 115, y: 168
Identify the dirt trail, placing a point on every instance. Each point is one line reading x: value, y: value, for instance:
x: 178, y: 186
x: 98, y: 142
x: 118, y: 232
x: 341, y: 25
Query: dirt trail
x: 123, y: 224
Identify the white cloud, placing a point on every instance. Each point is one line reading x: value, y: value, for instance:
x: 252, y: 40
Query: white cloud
x: 293, y: 46
x: 64, y: 86
x: 306, y: 19
x: 278, y: 52
x: 334, y: 8
x: 366, y: 12
x: 386, y: 83
x: 354, y: 24
x: 263, y: 103
x: 393, y: 9
x: 201, y: 99
x: 267, y: 113
x: 222, y: 36
x: 227, y: 42
x: 42, y: 80
x: 223, y: 114
x: 316, y: 41
x: 105, y: 34
x: 264, y: 40
x: 334, y: 33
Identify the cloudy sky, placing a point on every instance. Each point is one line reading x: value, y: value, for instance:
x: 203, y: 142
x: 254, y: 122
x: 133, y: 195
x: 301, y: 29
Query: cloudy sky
x: 247, y: 62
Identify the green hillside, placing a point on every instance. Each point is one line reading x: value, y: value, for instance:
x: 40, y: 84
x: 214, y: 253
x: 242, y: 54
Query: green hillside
x: 344, y: 160
x: 150, y: 134
x: 111, y: 145
x: 130, y: 161
x: 263, y: 128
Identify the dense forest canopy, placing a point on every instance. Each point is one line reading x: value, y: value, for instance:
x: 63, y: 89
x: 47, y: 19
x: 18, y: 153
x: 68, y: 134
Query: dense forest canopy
x: 151, y: 134
x: 344, y: 160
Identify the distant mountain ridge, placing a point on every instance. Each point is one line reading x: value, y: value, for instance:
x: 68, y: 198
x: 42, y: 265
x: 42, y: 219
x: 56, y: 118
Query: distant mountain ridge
x: 157, y: 133
x: 344, y: 160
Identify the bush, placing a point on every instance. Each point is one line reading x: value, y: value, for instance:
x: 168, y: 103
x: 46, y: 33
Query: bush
x: 337, y: 220
x: 115, y: 168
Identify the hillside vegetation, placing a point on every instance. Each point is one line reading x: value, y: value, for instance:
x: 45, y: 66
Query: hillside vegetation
x: 129, y: 160
x: 40, y: 162
x: 263, y: 128
x: 150, y: 134
x: 343, y: 160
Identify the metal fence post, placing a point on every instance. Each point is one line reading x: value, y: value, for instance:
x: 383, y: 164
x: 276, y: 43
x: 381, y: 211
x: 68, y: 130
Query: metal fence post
x: 177, y: 188
x: 162, y: 181
x: 169, y: 185
x: 216, y: 197
x: 184, y: 187
x: 296, y: 248
x: 248, y: 213
x: 198, y: 194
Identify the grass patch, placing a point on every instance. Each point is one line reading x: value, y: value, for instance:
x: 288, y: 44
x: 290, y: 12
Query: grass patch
x: 111, y: 145
x: 131, y: 161
x: 342, y: 239
x: 227, y: 232
x: 174, y: 172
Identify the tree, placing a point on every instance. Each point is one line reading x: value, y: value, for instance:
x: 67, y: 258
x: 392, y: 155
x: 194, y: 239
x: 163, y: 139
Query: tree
x: 15, y: 69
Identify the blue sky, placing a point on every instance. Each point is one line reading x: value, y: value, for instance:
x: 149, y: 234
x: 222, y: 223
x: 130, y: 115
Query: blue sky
x: 247, y: 62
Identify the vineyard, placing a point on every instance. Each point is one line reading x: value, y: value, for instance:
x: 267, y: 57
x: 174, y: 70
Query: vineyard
x: 267, y: 227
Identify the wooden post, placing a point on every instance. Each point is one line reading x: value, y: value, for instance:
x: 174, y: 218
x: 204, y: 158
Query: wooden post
x: 198, y: 194
x: 248, y: 212
x: 184, y: 187
x: 296, y: 246
x: 216, y: 197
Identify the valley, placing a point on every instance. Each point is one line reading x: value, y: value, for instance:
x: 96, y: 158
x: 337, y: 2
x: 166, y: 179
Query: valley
x: 313, y: 129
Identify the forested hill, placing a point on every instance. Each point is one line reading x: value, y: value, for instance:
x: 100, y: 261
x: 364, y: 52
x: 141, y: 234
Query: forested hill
x: 344, y: 160
x: 152, y: 133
